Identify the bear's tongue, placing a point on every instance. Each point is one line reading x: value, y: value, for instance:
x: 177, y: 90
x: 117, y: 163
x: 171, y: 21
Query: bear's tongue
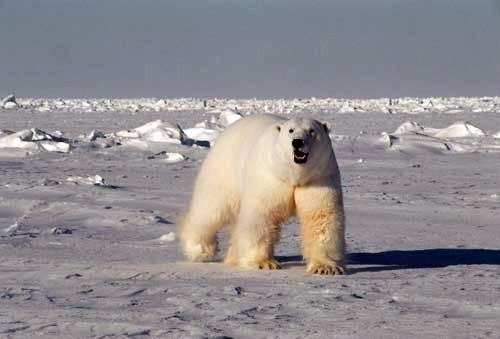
x: 299, y: 157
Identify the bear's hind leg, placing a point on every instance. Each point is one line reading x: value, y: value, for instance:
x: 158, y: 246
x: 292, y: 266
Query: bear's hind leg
x: 198, y: 233
x: 252, y: 242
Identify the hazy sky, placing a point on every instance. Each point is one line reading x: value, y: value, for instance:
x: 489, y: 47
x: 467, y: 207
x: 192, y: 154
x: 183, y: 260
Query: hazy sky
x: 244, y: 48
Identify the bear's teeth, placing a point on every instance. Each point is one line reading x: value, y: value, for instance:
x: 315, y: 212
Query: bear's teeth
x: 300, y: 157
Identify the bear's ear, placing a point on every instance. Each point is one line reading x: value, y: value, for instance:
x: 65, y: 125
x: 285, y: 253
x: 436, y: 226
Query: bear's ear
x: 327, y: 126
x: 278, y: 127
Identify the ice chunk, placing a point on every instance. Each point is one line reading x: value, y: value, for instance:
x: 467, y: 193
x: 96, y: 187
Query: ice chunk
x: 90, y: 180
x: 35, y: 139
x: 460, y: 129
x: 169, y: 237
x: 9, y: 102
x: 227, y: 118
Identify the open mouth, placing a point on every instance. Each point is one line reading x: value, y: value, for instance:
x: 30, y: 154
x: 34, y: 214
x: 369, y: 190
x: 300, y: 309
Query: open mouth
x: 299, y: 157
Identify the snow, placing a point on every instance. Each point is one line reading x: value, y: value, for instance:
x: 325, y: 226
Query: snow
x: 459, y: 137
x: 35, y: 140
x: 230, y: 107
x: 172, y: 158
x: 97, y: 255
x: 169, y: 237
x: 89, y: 180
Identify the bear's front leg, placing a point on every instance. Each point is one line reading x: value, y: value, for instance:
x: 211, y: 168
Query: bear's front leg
x: 253, y: 240
x: 320, y: 210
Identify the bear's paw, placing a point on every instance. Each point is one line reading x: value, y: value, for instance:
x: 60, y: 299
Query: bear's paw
x: 325, y: 269
x: 269, y: 264
x: 262, y: 264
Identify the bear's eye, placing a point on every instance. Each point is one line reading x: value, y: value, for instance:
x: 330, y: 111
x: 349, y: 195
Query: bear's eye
x: 290, y: 130
x: 311, y: 131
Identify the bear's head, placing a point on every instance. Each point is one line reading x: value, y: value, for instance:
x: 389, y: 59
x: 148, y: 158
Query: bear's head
x: 304, y: 142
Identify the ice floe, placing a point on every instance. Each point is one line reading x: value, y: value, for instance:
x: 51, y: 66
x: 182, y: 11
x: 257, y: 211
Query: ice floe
x: 155, y: 131
x: 34, y: 140
x: 203, y: 134
x: 164, y: 132
x: 9, y: 102
x: 280, y: 106
x: 227, y: 117
x: 459, y: 137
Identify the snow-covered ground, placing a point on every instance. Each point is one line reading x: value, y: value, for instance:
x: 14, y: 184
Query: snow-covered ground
x: 91, y: 192
x: 276, y: 106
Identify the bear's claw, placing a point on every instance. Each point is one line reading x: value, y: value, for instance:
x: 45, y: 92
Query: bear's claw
x: 262, y: 264
x: 269, y: 264
x: 325, y: 269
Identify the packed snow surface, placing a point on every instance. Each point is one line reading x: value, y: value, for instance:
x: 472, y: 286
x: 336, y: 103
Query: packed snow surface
x: 92, y: 191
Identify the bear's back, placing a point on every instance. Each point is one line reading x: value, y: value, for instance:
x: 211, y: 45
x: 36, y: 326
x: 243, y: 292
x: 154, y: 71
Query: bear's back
x: 226, y: 159
x: 240, y: 137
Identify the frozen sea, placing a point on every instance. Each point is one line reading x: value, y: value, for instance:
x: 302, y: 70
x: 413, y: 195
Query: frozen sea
x: 245, y: 49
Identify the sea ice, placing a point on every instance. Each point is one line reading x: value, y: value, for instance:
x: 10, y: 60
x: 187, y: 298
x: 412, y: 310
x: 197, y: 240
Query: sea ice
x: 169, y: 237
x: 35, y: 139
x: 9, y: 102
x: 90, y: 180
x: 172, y: 158
x: 459, y: 137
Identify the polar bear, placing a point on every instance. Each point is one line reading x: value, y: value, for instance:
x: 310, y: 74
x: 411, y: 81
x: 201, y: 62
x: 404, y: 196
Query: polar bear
x: 261, y: 170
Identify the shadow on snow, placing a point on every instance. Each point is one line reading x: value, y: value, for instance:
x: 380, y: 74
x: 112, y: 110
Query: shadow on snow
x: 408, y: 259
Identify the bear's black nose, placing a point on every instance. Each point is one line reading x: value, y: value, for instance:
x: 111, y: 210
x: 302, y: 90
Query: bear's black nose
x: 297, y: 143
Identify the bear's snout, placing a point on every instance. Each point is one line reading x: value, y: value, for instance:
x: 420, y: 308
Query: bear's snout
x: 297, y: 143
x: 299, y: 151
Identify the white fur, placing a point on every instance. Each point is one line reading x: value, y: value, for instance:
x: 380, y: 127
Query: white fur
x: 250, y: 183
